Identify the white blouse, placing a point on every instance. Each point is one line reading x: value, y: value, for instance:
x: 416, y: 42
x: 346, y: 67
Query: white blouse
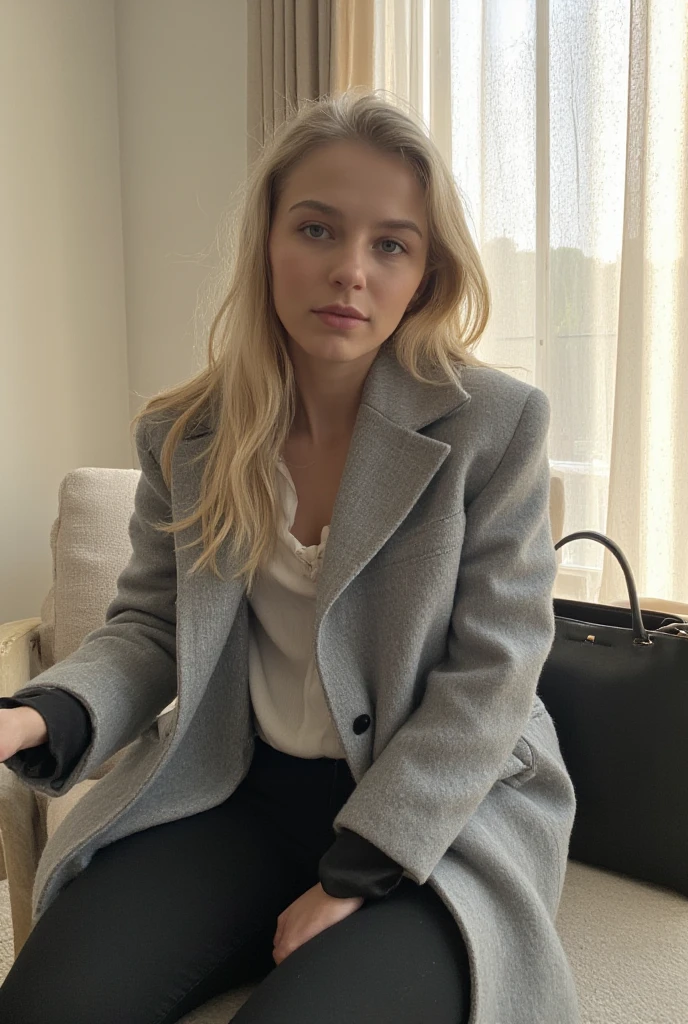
x: 289, y: 707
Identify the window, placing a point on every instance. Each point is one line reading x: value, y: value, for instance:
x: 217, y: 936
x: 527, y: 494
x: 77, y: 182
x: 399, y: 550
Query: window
x: 538, y: 124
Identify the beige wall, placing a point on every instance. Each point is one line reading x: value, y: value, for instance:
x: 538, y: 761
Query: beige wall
x: 123, y: 127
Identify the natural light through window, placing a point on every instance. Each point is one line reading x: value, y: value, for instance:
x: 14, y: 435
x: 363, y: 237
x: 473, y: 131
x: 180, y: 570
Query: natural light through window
x: 498, y: 165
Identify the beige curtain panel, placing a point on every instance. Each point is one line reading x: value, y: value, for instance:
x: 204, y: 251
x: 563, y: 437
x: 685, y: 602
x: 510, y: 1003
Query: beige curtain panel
x: 648, y: 486
x: 289, y: 60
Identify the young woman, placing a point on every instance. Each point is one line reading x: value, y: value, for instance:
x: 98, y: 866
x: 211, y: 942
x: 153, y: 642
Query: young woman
x: 358, y: 798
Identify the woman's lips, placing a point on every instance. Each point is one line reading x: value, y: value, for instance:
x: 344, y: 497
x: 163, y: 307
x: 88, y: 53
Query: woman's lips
x: 342, y: 323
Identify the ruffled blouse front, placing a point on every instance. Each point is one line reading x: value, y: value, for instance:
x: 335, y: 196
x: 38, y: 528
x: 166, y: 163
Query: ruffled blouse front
x: 289, y: 705
x: 309, y: 557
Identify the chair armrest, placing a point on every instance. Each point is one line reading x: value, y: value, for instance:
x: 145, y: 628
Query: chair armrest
x: 17, y: 642
x: 23, y: 834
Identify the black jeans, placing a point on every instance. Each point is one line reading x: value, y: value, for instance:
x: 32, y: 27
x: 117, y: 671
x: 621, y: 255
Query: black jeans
x: 163, y: 920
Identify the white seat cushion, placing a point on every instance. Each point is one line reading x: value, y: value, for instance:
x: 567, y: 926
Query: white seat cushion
x: 627, y: 943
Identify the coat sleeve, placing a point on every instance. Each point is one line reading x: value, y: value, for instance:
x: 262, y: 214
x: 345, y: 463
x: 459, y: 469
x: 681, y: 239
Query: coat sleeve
x: 69, y: 734
x: 416, y: 797
x: 125, y: 671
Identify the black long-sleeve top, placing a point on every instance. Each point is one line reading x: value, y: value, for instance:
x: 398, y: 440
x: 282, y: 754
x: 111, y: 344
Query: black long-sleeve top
x: 351, y: 867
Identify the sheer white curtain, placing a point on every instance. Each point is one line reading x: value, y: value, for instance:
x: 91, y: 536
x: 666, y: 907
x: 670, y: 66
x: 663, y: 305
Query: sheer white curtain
x: 566, y: 125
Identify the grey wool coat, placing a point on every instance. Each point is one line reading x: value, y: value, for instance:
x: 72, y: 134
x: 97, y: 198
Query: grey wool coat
x: 433, y: 616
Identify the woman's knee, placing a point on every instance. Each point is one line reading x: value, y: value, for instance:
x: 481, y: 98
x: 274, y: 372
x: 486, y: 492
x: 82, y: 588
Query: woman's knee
x: 394, y: 961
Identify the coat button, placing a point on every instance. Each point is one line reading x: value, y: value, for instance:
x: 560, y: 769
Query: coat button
x: 361, y: 724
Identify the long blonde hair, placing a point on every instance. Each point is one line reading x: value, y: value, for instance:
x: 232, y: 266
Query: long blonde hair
x: 247, y: 386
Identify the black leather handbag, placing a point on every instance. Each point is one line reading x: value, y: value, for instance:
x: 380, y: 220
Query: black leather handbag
x: 616, y: 686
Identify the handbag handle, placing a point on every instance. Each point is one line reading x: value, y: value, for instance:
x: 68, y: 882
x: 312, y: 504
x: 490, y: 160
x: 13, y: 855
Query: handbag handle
x: 640, y: 634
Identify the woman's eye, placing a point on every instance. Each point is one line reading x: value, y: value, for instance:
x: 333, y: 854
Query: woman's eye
x: 307, y: 226
x: 321, y: 228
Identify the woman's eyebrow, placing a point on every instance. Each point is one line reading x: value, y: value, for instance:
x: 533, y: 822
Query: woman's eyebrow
x: 332, y: 211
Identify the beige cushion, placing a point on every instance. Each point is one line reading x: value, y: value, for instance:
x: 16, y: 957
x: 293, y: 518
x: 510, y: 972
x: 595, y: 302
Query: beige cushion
x: 90, y: 546
x: 627, y: 942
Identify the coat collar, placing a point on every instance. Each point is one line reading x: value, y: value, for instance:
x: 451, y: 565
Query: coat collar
x: 389, y: 466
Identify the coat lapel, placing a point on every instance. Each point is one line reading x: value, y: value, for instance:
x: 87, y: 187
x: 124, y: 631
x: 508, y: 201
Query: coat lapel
x: 388, y: 467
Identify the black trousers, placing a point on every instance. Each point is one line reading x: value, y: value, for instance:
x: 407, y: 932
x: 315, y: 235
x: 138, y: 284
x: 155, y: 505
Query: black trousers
x: 163, y: 920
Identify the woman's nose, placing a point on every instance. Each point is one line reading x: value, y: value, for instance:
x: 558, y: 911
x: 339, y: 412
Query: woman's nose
x: 350, y: 268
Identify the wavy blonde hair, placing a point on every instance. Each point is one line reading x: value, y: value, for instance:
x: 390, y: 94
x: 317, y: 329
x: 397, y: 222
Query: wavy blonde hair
x: 247, y: 387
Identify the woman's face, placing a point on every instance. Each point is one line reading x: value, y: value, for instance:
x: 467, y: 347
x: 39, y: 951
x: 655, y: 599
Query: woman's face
x: 344, y: 255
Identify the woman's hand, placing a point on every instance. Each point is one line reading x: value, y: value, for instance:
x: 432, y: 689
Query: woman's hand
x: 307, y: 916
x: 20, y: 728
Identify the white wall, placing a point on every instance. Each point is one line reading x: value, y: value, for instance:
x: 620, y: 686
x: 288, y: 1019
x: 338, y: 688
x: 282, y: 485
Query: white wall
x: 123, y: 128
x: 182, y: 100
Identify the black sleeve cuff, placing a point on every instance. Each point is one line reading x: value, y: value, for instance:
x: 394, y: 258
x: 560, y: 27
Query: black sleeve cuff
x: 354, y: 867
x: 69, y: 734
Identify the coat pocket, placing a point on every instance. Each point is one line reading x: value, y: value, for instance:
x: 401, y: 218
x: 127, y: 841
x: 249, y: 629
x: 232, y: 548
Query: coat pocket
x: 420, y: 540
x: 520, y: 766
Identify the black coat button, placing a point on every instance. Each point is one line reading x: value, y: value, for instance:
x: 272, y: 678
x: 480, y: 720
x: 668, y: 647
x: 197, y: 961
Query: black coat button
x: 361, y: 724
